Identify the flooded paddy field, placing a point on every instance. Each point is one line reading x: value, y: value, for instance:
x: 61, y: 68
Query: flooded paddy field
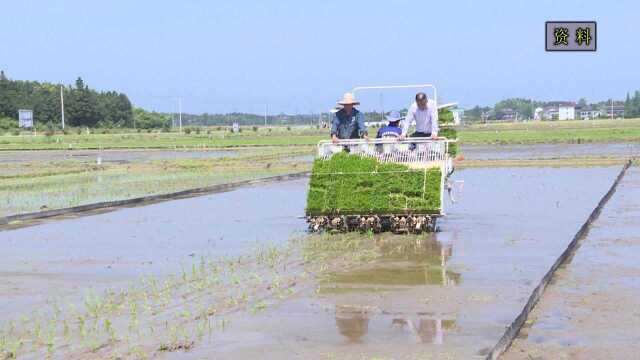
x: 548, y: 151
x: 43, y: 180
x: 592, y: 308
x: 444, y: 295
x: 157, y: 239
x: 472, y: 152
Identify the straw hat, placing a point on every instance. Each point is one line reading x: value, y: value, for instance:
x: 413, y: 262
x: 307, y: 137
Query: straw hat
x: 348, y: 99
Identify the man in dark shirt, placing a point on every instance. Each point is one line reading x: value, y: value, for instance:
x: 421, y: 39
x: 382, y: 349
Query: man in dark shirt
x: 348, y: 122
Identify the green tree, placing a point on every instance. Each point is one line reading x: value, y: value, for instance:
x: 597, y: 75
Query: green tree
x: 524, y: 107
x: 632, y: 105
x: 83, y: 106
x: 147, y: 119
x: 582, y: 102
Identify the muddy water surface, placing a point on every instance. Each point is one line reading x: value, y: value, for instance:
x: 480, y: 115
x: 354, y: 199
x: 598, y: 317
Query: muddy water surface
x: 546, y: 151
x: 444, y: 295
x: 60, y: 257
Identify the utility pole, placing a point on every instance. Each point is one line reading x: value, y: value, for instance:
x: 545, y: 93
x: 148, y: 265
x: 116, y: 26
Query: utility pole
x: 381, y: 107
x: 180, y: 114
x: 611, y: 109
x: 533, y: 111
x: 266, y: 111
x: 62, y: 104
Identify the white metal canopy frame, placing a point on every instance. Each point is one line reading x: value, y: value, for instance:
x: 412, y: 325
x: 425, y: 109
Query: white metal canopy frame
x: 410, y: 151
x: 391, y: 87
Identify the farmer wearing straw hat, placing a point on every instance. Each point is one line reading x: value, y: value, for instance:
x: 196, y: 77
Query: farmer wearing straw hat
x: 348, y: 122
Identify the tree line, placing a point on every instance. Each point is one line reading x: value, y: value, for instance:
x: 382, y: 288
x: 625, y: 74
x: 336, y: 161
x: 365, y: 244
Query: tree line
x: 632, y: 105
x: 244, y: 119
x: 83, y: 106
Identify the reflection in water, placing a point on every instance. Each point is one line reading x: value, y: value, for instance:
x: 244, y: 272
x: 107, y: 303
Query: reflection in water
x: 352, y: 322
x: 405, y: 261
x: 426, y: 253
x: 428, y: 331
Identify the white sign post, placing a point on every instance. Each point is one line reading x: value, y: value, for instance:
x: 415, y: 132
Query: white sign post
x: 25, y: 118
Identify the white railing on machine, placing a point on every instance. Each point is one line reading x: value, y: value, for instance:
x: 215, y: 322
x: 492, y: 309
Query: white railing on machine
x: 418, y: 151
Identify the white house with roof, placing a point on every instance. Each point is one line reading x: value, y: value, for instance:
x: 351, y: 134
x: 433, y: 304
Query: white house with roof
x: 559, y: 110
x: 566, y: 112
x: 588, y: 112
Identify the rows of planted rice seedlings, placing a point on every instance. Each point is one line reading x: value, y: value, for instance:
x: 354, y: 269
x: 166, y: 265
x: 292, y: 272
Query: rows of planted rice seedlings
x: 349, y: 184
x: 49, y: 192
x: 161, y: 140
x: 154, y: 314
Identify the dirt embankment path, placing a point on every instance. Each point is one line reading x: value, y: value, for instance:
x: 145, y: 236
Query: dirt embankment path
x: 592, y: 309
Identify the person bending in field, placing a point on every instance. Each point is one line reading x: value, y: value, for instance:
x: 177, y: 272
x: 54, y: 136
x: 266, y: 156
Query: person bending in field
x: 348, y: 122
x: 393, y: 129
x: 425, y: 115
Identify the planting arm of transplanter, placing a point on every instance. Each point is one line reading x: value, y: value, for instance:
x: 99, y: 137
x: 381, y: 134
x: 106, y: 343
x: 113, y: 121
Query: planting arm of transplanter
x: 383, y: 184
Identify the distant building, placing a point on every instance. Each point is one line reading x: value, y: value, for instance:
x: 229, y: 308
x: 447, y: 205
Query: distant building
x: 550, y: 113
x: 458, y: 114
x: 567, y: 112
x: 588, y: 112
x: 508, y: 114
x: 537, y: 113
x: 617, y: 110
x: 559, y: 110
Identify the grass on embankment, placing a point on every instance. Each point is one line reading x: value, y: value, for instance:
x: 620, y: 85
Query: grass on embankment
x: 157, y: 140
x: 620, y: 130
x: 538, y: 132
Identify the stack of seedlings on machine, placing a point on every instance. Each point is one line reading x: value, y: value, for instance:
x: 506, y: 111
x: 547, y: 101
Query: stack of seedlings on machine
x: 350, y: 192
x: 445, y: 119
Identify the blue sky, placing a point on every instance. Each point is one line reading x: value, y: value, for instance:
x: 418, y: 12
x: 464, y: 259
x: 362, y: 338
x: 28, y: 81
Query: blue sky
x: 301, y: 56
